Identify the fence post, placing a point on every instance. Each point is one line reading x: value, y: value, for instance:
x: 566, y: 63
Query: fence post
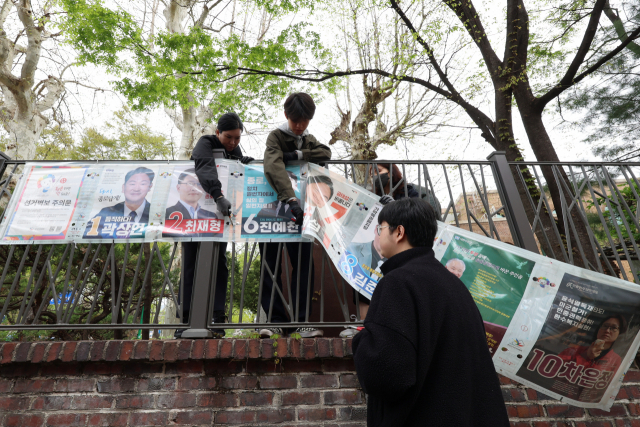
x: 205, y: 275
x: 514, y: 209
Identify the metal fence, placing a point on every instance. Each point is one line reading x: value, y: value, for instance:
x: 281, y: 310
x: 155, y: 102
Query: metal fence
x: 117, y: 290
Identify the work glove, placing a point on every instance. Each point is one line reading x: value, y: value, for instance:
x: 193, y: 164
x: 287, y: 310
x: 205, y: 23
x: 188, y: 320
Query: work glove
x: 224, y: 206
x: 287, y: 157
x: 246, y: 159
x: 385, y: 199
x: 297, y: 212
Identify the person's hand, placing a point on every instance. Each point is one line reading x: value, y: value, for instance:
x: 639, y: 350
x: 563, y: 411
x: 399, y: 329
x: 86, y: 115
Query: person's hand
x: 287, y: 157
x: 224, y: 206
x: 385, y: 199
x: 297, y: 212
x: 595, y: 349
x: 246, y: 159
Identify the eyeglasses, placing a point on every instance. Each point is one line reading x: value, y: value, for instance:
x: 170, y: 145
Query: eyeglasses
x: 380, y: 227
x: 612, y: 328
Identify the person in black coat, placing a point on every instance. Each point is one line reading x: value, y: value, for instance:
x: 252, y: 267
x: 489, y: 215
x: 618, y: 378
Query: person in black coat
x: 423, y: 357
x: 228, y: 132
x: 134, y: 210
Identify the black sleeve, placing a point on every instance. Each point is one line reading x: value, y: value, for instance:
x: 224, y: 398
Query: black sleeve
x: 206, y: 166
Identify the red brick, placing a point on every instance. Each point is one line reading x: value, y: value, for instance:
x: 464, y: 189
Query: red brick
x: 52, y: 403
x: 170, y: 351
x: 140, y: 350
x: 324, y: 347
x: 108, y: 419
x: 240, y: 383
x: 301, y: 366
x: 67, y: 420
x: 541, y: 424
x: 196, y: 383
x: 256, y: 399
x: 39, y: 352
x: 282, y: 348
x: 156, y: 384
x: 278, y: 381
x: 184, y: 367
x: 614, y: 411
x: 223, y: 367
x: 21, y: 370
x: 33, y: 386
x: 594, y: 424
x: 134, y: 401
x: 155, y: 354
x: 83, y: 353
x: 184, y: 349
x: 5, y: 386
x: 309, y: 348
x: 197, y: 350
x: 217, y: 400
x: 240, y: 349
x: 126, y: 350
x: 513, y: 395
x: 61, y: 370
x: 634, y: 409
x: 338, y: 365
x: 318, y: 381
x: 22, y: 352
x: 176, y: 400
x: 68, y: 352
x: 226, y: 349
x: 633, y: 391
x: 236, y: 417
x: 54, y: 351
x: 301, y: 398
x: 337, y: 347
x: 194, y: 418
x: 113, y: 351
x: 211, y: 349
x: 254, y: 349
x: 92, y: 402
x: 348, y: 350
x: 267, y: 348
x: 14, y: 403
x: 97, y: 351
x: 632, y: 376
x: 295, y: 348
x: 350, y: 381
x: 316, y: 414
x: 628, y: 423
x: 23, y: 420
x: 343, y: 397
x: 149, y: 418
x: 102, y: 368
x: 506, y: 381
x: 116, y: 385
x: 70, y: 386
x: 7, y: 352
x: 275, y: 415
x: 524, y: 411
x: 564, y: 411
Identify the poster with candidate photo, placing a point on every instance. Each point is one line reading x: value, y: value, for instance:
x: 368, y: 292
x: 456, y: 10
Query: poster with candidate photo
x: 496, y: 279
x: 122, y: 202
x: 50, y: 189
x: 190, y: 211
x: 589, y: 329
x: 263, y: 215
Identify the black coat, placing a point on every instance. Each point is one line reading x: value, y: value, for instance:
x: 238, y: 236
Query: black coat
x: 423, y: 356
x: 205, y: 164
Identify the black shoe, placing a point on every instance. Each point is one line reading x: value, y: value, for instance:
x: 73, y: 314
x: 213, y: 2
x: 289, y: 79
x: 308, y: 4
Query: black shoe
x: 219, y: 316
x: 178, y: 334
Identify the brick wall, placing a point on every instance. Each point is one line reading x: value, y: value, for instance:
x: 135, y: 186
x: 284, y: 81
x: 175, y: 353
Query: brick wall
x: 218, y: 382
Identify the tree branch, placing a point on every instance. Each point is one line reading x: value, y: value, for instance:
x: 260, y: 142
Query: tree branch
x: 34, y: 45
x: 7, y: 5
x: 618, y: 25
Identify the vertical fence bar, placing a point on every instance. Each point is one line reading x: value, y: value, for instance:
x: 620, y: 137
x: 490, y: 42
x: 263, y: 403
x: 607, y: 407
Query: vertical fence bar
x: 206, y: 272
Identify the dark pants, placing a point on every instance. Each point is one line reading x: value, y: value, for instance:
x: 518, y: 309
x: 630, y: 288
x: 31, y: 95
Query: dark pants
x: 279, y: 312
x: 190, y: 258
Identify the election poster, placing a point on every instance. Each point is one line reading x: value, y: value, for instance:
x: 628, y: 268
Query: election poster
x: 495, y: 278
x: 262, y: 215
x: 192, y: 212
x: 50, y: 189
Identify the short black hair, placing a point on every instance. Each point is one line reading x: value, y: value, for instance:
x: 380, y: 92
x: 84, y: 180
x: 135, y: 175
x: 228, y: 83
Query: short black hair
x: 321, y: 179
x: 186, y: 173
x: 416, y: 216
x: 136, y: 171
x: 299, y: 106
x: 230, y: 121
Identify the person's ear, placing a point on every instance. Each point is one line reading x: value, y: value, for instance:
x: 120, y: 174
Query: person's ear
x: 218, y: 133
x: 285, y: 115
x: 401, y: 233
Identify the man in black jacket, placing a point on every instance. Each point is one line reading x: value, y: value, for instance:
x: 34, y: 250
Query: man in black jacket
x: 423, y: 357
